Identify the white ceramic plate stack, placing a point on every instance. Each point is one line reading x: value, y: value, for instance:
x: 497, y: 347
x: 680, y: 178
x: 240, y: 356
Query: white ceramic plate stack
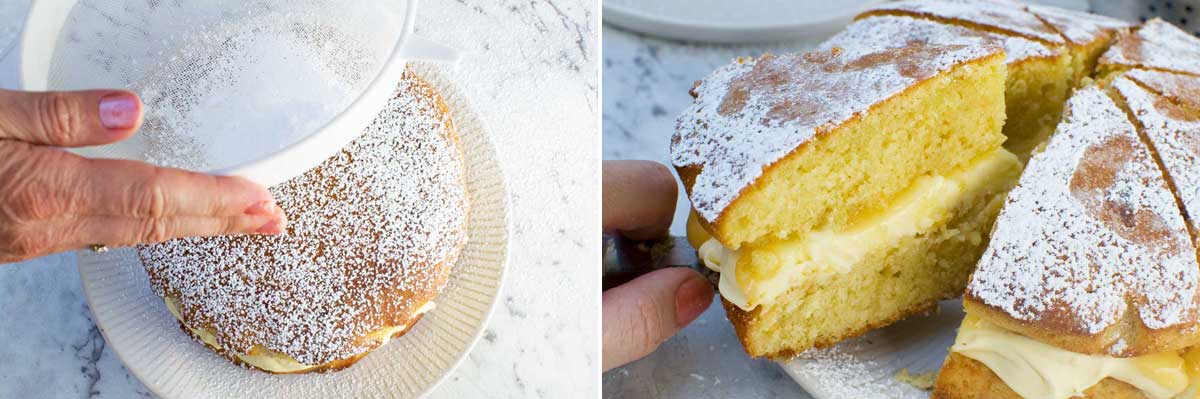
x: 724, y: 21
x: 149, y: 341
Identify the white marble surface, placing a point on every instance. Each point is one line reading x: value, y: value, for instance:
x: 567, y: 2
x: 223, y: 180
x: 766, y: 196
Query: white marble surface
x: 530, y: 69
x: 645, y: 84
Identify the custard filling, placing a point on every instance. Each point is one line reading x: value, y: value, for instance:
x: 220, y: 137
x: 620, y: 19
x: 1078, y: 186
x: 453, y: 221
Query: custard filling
x: 757, y: 274
x: 278, y: 362
x: 1034, y: 369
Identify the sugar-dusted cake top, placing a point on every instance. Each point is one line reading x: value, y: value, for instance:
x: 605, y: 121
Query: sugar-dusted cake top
x: 1156, y: 45
x: 1175, y: 134
x: 1182, y: 89
x: 999, y: 15
x: 753, y: 112
x: 891, y: 31
x: 1090, y: 233
x: 1078, y: 27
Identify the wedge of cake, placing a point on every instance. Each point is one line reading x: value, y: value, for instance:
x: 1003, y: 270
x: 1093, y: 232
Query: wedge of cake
x: 1067, y: 45
x: 1090, y: 286
x: 1156, y: 45
x: 842, y: 188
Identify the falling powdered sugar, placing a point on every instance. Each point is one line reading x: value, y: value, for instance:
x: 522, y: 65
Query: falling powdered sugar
x: 238, y: 92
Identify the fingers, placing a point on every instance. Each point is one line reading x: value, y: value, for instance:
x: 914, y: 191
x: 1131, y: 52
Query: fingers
x: 639, y: 198
x: 641, y: 314
x: 119, y: 231
x: 69, y: 119
x: 135, y: 189
x: 114, y: 231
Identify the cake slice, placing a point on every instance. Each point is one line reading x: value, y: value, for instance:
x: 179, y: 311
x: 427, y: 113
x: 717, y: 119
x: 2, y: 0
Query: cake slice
x: 1038, y: 83
x: 1156, y: 45
x: 834, y: 184
x: 1090, y: 285
x: 1170, y: 128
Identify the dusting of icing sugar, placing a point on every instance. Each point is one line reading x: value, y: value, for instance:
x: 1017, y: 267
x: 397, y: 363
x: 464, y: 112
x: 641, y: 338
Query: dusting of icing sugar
x: 751, y: 113
x: 1175, y: 137
x: 888, y: 31
x: 1125, y: 240
x: 1000, y: 15
x: 1159, y: 45
x: 1183, y: 89
x: 372, y: 234
x: 1078, y: 27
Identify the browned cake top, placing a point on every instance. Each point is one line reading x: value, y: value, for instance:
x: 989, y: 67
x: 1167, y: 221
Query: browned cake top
x: 1079, y: 28
x: 1091, y: 233
x: 753, y: 112
x: 1172, y: 129
x: 997, y: 15
x: 1156, y: 45
x: 373, y: 233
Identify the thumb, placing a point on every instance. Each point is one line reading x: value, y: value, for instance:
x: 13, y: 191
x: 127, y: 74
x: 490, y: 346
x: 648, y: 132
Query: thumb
x: 69, y: 118
x: 641, y: 314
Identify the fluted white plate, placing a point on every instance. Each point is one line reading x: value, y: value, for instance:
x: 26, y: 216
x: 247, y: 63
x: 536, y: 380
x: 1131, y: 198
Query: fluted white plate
x: 866, y: 367
x: 149, y: 341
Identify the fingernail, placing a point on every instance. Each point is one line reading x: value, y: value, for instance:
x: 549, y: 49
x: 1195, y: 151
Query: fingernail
x: 691, y: 299
x: 118, y: 111
x: 261, y: 208
x: 272, y: 227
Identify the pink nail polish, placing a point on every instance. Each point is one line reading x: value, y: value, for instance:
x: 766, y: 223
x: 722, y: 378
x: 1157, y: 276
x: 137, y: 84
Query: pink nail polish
x: 272, y: 227
x: 261, y: 208
x: 118, y: 111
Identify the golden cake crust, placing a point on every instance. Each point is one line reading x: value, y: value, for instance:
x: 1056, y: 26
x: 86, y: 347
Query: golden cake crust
x: 372, y: 237
x: 964, y: 378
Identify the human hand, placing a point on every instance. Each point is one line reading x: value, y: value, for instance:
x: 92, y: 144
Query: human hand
x: 53, y: 201
x: 639, y: 203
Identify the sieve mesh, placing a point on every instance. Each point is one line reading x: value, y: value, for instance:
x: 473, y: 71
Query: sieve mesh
x: 224, y: 82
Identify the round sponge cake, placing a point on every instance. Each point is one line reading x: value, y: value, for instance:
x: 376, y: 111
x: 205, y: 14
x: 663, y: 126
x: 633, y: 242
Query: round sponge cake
x: 372, y: 237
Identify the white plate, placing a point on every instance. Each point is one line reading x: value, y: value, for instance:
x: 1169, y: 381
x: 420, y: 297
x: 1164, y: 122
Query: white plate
x: 866, y: 367
x: 723, y: 21
x: 149, y: 341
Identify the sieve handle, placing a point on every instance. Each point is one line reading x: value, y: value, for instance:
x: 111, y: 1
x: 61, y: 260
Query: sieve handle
x: 421, y: 49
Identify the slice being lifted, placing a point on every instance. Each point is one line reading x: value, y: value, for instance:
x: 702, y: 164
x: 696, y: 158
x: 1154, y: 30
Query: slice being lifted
x: 874, y: 166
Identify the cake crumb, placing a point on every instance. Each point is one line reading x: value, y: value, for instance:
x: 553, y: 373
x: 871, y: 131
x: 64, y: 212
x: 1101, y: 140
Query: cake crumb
x: 922, y: 381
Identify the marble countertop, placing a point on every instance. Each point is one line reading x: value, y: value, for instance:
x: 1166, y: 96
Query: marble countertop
x: 530, y: 70
x: 645, y: 84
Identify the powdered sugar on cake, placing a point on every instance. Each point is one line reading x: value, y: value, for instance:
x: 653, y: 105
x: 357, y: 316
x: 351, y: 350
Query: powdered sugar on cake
x: 750, y: 114
x: 1079, y: 28
x: 1175, y: 135
x: 372, y: 232
x: 1157, y: 45
x: 1090, y: 228
x: 887, y: 31
x: 1000, y: 15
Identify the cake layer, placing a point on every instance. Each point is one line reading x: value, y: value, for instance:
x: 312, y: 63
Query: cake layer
x: 1034, y: 369
x: 756, y: 275
x: 784, y: 144
x: 885, y: 284
x: 1091, y: 253
x: 964, y: 378
x: 1039, y: 76
x: 1037, y: 87
x: 280, y: 363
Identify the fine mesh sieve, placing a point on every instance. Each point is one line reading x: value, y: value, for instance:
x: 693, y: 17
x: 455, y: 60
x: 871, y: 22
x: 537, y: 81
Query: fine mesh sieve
x: 264, y: 89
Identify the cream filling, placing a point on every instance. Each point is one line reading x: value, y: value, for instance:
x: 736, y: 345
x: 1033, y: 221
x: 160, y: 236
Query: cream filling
x: 778, y: 266
x: 278, y: 362
x: 1034, y: 369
